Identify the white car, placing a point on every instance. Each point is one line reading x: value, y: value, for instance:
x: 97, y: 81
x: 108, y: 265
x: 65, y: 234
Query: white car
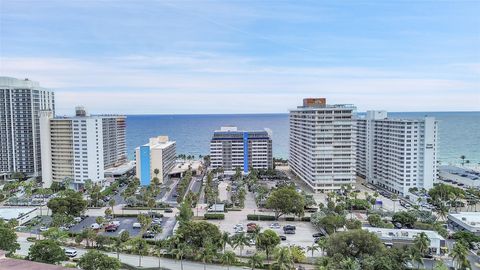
x: 77, y: 219
x: 239, y: 225
x: 70, y: 252
x: 43, y: 229
x: 137, y: 225
x: 115, y: 222
x: 95, y: 226
x: 275, y: 226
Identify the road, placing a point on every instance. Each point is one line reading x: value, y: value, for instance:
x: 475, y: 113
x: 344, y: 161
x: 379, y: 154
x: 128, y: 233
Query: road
x: 147, y: 261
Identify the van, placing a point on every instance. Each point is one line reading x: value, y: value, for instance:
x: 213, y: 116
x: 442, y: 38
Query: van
x: 71, y: 252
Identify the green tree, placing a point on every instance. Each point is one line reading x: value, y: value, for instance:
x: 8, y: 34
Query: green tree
x: 422, y: 243
x: 224, y: 240
x: 55, y: 234
x: 46, y: 251
x: 256, y: 260
x: 139, y: 246
x: 69, y: 203
x: 196, y: 233
x: 96, y: 260
x: 8, y: 238
x: 240, y: 240
x: 228, y: 258
x: 407, y: 219
x: 354, y: 243
x: 459, y: 254
x: 206, y: 254
x: 267, y: 241
x: 283, y: 259
x: 375, y: 220
x: 298, y: 254
x: 285, y: 200
x: 185, y: 213
x: 314, y: 247
x: 179, y: 252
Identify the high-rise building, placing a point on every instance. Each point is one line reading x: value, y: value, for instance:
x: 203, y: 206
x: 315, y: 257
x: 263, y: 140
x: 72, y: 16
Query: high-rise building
x: 397, y: 154
x: 20, y: 104
x: 231, y: 149
x: 322, y: 144
x: 80, y: 147
x: 158, y: 154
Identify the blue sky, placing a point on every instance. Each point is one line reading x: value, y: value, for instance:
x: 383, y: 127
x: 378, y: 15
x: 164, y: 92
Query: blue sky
x: 245, y: 56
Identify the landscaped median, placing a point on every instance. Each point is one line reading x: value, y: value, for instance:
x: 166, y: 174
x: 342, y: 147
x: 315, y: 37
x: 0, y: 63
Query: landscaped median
x: 214, y: 216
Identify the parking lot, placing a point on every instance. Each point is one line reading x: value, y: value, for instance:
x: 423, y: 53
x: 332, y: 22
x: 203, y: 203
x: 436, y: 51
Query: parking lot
x: 126, y: 224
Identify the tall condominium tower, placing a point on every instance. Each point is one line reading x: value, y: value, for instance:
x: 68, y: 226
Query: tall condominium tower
x: 322, y: 144
x: 231, y: 149
x: 397, y: 154
x: 158, y: 154
x: 20, y: 104
x: 80, y: 147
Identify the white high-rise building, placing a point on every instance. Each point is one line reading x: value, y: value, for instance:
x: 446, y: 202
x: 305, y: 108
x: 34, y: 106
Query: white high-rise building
x: 158, y: 154
x: 80, y: 147
x: 20, y: 104
x: 322, y: 144
x: 397, y: 154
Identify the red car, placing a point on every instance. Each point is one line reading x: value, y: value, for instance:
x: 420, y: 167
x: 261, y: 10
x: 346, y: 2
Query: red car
x: 111, y: 228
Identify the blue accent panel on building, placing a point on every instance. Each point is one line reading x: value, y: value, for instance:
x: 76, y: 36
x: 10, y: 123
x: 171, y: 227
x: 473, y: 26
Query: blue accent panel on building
x: 145, y: 165
x: 245, y: 152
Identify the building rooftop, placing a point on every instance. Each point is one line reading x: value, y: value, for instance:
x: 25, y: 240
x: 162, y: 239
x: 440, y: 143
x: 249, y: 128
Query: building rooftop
x: 121, y: 169
x: 18, y: 83
x: 472, y: 219
x: 17, y: 264
x: 160, y: 142
x: 405, y: 234
x: 460, y: 172
x: 234, y: 132
x: 8, y: 213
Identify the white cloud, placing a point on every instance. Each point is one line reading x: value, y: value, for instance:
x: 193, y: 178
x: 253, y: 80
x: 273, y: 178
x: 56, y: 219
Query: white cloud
x: 210, y: 83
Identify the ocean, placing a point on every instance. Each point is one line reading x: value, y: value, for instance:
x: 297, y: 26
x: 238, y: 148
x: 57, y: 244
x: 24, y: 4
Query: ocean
x: 458, y: 132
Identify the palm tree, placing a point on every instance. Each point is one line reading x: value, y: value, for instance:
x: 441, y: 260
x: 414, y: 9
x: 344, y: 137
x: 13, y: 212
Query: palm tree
x: 224, y: 240
x: 421, y: 242
x: 118, y: 246
x: 459, y: 254
x: 179, y: 252
x: 139, y: 246
x: 284, y: 259
x: 228, y: 258
x: 111, y: 203
x: 256, y: 260
x: 240, y: 240
x: 156, y: 172
x: 415, y: 255
x: 314, y: 247
x: 322, y: 243
x: 160, y: 244
x: 206, y: 254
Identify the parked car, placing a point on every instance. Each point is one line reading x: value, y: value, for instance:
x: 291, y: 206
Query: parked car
x: 70, y: 252
x: 289, y: 231
x: 318, y: 234
x: 95, y: 226
x: 43, y: 229
x: 283, y: 237
x: 77, y: 219
x: 289, y: 227
x: 157, y: 221
x: 111, y: 228
x: 275, y: 226
x: 137, y: 225
x: 148, y: 235
x: 168, y: 210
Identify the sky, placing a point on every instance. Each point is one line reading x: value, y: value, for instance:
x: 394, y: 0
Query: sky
x: 201, y: 57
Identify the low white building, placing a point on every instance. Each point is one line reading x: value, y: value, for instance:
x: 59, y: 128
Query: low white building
x: 465, y: 221
x: 402, y: 237
x: 459, y: 177
x: 22, y: 214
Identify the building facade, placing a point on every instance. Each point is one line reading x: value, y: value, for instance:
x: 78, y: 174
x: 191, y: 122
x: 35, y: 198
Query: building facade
x: 80, y: 147
x: 322, y: 144
x: 158, y: 154
x: 231, y: 149
x: 397, y: 154
x: 20, y: 104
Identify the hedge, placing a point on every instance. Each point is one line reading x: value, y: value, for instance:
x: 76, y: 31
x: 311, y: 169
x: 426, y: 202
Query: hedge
x: 289, y: 218
x: 305, y: 219
x: 214, y: 216
x: 260, y: 217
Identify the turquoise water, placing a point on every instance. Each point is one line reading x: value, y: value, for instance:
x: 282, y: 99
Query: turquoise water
x: 458, y: 134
